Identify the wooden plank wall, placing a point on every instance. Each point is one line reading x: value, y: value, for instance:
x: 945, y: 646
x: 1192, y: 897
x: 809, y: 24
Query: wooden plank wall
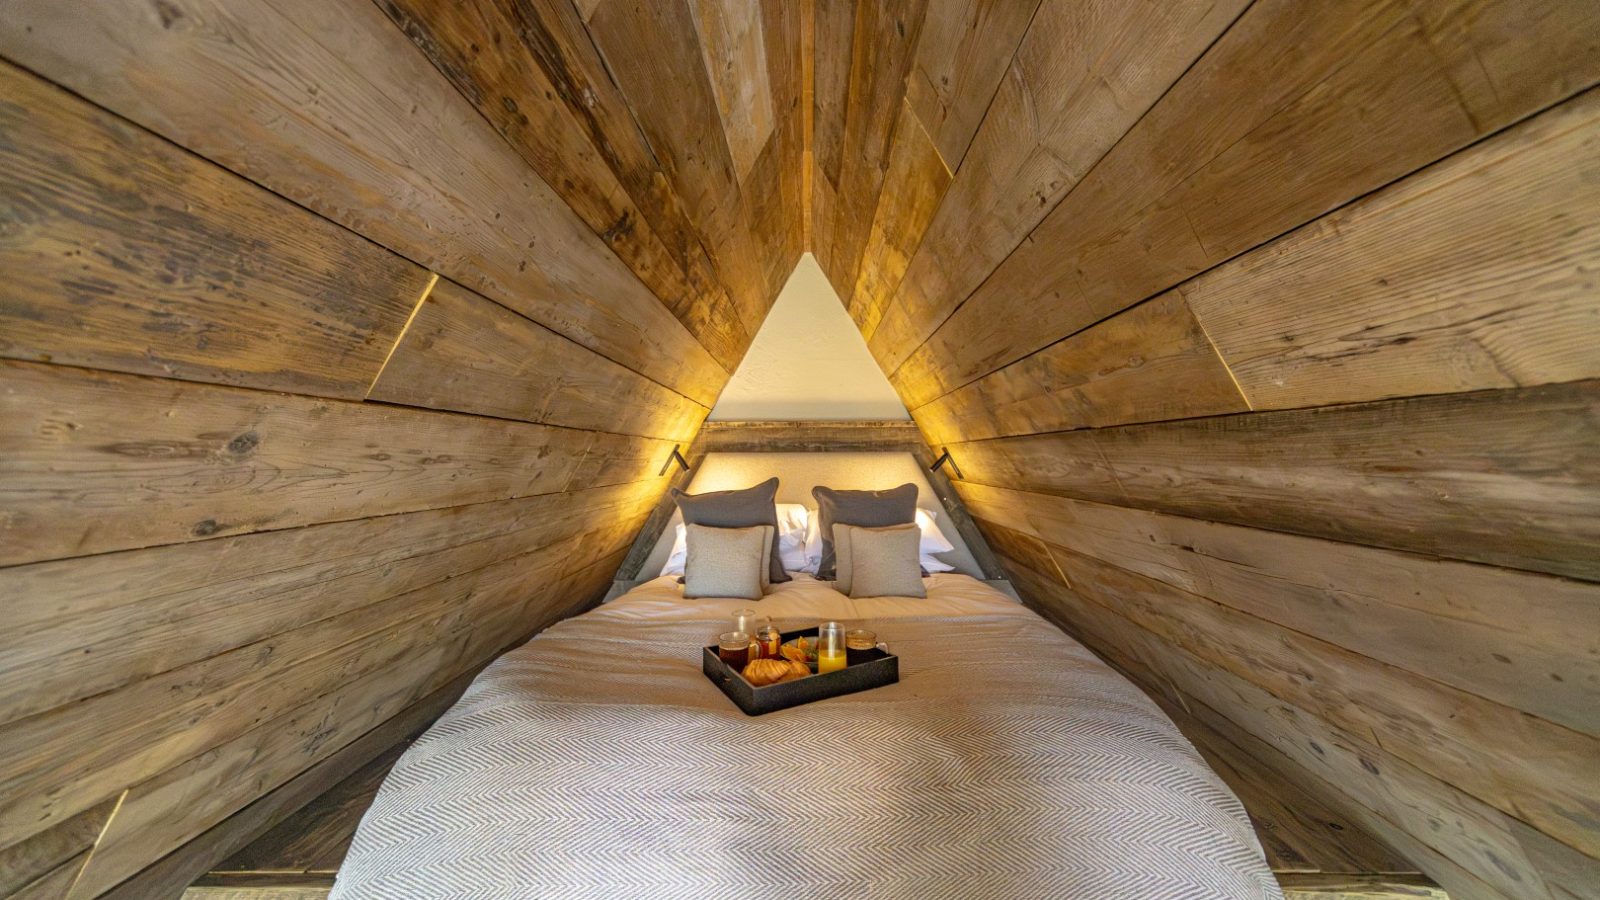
x: 1265, y: 335
x: 341, y: 344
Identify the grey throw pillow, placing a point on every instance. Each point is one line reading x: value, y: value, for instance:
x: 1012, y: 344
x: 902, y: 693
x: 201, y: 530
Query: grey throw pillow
x: 871, y: 509
x: 879, y: 562
x: 744, y: 508
x: 727, y: 562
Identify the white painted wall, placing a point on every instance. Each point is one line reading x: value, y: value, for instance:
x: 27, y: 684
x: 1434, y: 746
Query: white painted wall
x: 808, y: 361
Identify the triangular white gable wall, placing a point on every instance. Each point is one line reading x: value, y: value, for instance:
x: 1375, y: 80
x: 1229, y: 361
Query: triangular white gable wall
x: 808, y: 362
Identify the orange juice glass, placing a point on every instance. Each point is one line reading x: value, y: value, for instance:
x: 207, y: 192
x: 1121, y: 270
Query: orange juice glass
x: 830, y: 648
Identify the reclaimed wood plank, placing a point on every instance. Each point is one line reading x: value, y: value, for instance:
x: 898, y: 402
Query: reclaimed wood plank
x: 531, y: 71
x: 914, y: 182
x: 1182, y: 192
x: 1150, y: 363
x: 1474, y: 273
x: 1521, y: 765
x: 1307, y: 886
x: 467, y: 354
x: 963, y: 53
x: 316, y: 838
x: 1499, y: 633
x: 807, y: 437
x: 1081, y: 76
x: 735, y: 58
x: 82, y: 477
x: 653, y: 52
x: 168, y: 876
x: 1471, y: 839
x: 883, y: 46
x: 329, y: 105
x: 185, y: 800
x: 1501, y: 477
x: 82, y: 626
x: 124, y: 252
x: 53, y: 855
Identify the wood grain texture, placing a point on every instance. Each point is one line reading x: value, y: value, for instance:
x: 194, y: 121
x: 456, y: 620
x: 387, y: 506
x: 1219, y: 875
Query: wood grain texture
x: 1182, y: 193
x: 168, y: 876
x: 489, y: 609
x: 1300, y: 834
x: 734, y: 51
x: 124, y: 252
x: 1471, y: 850
x: 914, y: 182
x: 1151, y: 363
x: 467, y: 354
x: 79, y: 627
x: 1503, y: 477
x: 1501, y: 634
x: 356, y: 125
x: 653, y: 52
x: 1358, y: 887
x: 81, y: 477
x: 883, y: 45
x: 315, y: 839
x: 1477, y: 272
x: 1518, y: 764
x: 53, y: 857
x: 964, y: 50
x: 1082, y: 76
x: 806, y: 437
x: 532, y: 72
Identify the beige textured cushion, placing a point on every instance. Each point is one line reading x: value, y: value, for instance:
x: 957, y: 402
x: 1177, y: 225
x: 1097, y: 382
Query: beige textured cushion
x: 727, y: 562
x: 878, y: 562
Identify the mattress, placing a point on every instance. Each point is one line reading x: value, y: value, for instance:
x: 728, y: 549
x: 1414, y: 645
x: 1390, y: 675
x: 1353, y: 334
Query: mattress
x: 598, y: 761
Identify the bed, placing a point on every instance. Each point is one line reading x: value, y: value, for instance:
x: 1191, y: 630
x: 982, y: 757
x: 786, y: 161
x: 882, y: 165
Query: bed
x: 598, y: 761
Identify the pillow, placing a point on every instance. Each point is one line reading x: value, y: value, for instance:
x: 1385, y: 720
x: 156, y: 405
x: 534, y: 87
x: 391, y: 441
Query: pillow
x: 879, y: 562
x: 932, y: 564
x: 872, y: 509
x: 736, y: 509
x: 792, y: 523
x: 679, y: 554
x: 727, y: 562
x: 933, y: 540
x: 813, y: 540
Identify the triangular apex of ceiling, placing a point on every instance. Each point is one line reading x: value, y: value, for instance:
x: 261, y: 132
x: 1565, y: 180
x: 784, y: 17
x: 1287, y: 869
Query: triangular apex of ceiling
x: 808, y: 362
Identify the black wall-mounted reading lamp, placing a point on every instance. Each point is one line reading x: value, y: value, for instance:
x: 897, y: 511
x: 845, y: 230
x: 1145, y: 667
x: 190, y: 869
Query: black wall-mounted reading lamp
x: 675, y: 456
x: 944, y: 457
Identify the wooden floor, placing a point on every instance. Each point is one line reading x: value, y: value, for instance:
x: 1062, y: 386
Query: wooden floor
x: 1316, y: 854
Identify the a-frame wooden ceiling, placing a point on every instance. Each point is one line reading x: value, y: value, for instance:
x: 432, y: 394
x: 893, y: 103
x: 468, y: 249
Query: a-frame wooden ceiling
x: 1262, y: 332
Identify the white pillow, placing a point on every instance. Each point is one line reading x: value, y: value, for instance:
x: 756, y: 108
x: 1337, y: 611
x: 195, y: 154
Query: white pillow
x: 792, y: 522
x: 680, y: 553
x: 793, y: 519
x: 933, y: 540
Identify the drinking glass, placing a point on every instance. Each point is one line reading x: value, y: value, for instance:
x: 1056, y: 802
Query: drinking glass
x: 768, y: 641
x: 830, y: 647
x: 734, y: 649
x: 859, y: 644
x: 748, y: 621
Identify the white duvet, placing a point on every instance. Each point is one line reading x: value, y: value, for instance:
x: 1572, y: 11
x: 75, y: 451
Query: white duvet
x: 598, y: 761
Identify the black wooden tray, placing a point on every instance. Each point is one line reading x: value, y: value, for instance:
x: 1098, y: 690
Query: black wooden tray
x: 880, y: 669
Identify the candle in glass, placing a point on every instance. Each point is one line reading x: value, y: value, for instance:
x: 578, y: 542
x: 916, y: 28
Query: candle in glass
x: 830, y: 648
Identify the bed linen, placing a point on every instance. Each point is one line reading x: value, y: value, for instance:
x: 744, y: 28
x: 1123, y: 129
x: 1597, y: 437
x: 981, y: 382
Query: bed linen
x: 598, y: 761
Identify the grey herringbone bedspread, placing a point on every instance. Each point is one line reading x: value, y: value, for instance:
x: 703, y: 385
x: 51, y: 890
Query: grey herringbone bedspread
x: 598, y: 762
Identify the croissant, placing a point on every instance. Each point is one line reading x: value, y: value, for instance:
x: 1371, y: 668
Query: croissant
x: 771, y: 671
